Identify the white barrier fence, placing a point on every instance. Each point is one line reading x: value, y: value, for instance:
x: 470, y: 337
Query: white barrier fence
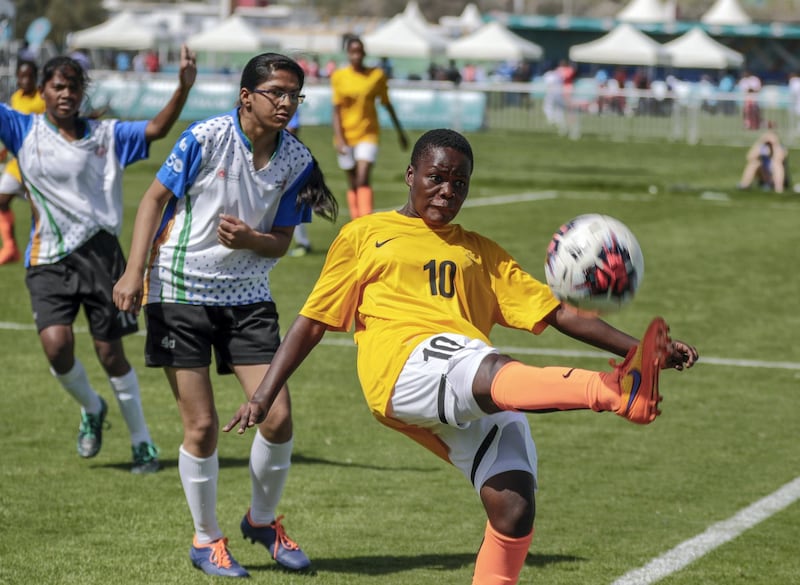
x: 686, y: 115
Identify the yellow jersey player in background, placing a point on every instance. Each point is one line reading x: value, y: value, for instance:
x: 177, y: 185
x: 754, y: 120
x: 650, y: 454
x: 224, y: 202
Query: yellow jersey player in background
x: 356, y: 129
x: 424, y: 294
x: 28, y: 101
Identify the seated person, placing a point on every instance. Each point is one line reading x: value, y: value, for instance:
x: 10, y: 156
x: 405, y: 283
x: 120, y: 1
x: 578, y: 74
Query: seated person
x: 767, y: 163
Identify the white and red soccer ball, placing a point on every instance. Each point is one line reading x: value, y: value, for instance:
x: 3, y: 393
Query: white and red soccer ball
x: 594, y: 263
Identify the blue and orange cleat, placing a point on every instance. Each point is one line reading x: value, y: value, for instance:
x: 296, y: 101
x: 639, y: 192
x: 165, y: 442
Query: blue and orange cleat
x: 283, y: 549
x: 215, y: 559
x: 638, y: 374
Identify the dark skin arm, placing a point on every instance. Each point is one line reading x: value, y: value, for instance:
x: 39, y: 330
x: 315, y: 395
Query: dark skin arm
x: 587, y: 329
x: 302, y: 337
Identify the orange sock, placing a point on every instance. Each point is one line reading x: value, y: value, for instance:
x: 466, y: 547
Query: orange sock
x: 10, y: 251
x: 501, y: 558
x: 364, y: 197
x: 518, y: 386
x: 352, y: 203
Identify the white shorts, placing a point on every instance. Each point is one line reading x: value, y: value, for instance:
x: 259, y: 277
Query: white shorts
x: 10, y: 185
x: 366, y: 151
x: 434, y: 391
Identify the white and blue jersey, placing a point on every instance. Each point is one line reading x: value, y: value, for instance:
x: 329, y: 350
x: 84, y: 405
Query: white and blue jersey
x: 75, y: 187
x: 210, y: 171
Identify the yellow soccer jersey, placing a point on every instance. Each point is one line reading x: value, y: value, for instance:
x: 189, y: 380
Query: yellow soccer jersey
x: 356, y: 92
x: 27, y: 105
x: 401, y: 282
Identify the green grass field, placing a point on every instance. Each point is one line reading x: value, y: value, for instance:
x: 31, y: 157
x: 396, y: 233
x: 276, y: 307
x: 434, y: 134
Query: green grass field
x: 370, y: 506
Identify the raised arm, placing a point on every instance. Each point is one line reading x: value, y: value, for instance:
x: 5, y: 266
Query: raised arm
x: 302, y: 337
x: 162, y: 122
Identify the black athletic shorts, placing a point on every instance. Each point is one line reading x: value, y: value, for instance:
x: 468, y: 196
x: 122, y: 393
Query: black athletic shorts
x: 84, y: 278
x: 182, y: 336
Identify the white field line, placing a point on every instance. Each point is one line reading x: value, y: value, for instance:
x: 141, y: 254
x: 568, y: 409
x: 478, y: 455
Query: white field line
x: 715, y: 536
x: 348, y: 341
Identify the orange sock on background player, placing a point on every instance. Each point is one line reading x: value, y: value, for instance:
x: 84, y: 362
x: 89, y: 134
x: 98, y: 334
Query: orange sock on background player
x: 352, y: 203
x: 10, y: 251
x: 518, y: 386
x: 364, y: 197
x: 501, y: 558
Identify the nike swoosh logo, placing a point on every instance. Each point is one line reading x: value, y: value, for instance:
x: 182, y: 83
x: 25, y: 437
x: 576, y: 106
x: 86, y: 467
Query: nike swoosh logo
x: 637, y: 381
x: 568, y: 374
x: 379, y: 244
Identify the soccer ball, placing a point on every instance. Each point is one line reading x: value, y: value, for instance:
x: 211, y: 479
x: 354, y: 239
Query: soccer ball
x: 594, y: 264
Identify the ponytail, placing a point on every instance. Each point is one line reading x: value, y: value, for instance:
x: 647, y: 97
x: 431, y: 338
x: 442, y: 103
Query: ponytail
x: 317, y: 195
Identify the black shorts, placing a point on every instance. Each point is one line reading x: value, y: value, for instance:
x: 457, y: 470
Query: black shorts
x: 182, y: 336
x: 84, y: 278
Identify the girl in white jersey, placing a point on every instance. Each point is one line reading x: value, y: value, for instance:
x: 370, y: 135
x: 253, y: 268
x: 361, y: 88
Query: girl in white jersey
x: 72, y: 169
x: 214, y: 222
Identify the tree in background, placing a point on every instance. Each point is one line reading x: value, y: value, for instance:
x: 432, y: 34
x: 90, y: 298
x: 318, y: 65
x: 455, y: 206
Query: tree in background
x: 65, y: 16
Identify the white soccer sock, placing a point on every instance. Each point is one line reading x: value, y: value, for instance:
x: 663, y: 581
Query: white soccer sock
x: 269, y: 468
x: 126, y: 389
x: 199, y: 478
x: 76, y: 382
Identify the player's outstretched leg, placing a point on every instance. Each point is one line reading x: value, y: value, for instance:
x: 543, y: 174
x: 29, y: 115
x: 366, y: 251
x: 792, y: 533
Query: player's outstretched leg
x: 638, y: 374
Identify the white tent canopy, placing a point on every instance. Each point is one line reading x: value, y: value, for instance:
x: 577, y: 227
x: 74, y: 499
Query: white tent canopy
x: 468, y: 21
x: 123, y: 32
x: 725, y: 12
x: 232, y: 35
x: 493, y: 42
x: 401, y: 38
x: 646, y: 11
x: 414, y: 15
x: 624, y: 45
x: 696, y: 50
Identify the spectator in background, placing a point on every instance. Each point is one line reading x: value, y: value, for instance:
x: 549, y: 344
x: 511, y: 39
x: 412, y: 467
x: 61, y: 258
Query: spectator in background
x: 750, y: 85
x: 122, y: 61
x: 388, y: 68
x: 726, y: 87
x: 140, y: 62
x: 794, y: 92
x: 767, y: 163
x: 151, y: 62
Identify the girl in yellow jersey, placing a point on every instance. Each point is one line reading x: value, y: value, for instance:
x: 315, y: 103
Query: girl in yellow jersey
x: 355, y: 89
x: 424, y: 294
x: 28, y: 101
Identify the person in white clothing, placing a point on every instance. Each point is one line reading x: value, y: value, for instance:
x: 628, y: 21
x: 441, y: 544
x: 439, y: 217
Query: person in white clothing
x: 220, y: 212
x: 72, y: 168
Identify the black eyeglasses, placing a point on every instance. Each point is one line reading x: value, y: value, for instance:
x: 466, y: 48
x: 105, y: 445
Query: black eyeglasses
x: 276, y: 95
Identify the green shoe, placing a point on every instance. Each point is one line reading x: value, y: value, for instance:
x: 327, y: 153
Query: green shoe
x: 145, y: 458
x: 90, y: 433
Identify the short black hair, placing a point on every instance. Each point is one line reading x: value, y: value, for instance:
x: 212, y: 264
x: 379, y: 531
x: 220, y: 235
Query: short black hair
x: 441, y: 138
x: 261, y: 68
